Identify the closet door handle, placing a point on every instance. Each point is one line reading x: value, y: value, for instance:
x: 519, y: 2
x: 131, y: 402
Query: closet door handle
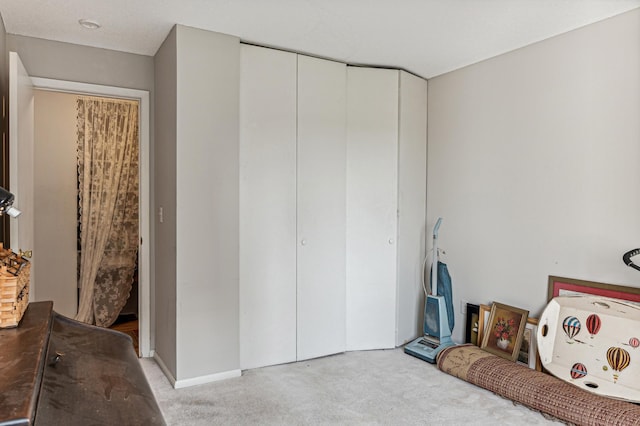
x: 303, y: 242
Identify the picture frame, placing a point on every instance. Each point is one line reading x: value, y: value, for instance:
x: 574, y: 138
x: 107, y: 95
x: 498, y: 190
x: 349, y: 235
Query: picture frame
x: 483, y: 317
x: 528, y: 353
x: 471, y: 330
x: 560, y: 286
x: 504, y: 330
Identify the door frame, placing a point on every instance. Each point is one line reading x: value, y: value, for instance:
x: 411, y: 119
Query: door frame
x: 21, y: 144
x: 144, y: 267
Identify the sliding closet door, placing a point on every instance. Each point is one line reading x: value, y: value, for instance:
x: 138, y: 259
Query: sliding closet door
x: 321, y: 207
x: 372, y: 193
x: 267, y: 207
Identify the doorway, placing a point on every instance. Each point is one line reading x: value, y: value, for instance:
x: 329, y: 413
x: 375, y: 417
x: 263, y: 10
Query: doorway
x: 108, y: 207
x: 143, y: 305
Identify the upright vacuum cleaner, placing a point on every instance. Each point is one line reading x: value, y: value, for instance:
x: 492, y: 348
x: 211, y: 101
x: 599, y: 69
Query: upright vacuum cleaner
x: 438, y: 311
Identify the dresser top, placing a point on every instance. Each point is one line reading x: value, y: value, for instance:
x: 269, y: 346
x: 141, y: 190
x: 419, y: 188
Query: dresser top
x: 22, y: 352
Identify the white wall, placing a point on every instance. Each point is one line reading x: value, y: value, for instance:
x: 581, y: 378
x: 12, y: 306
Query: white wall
x: 56, y: 199
x: 533, y: 163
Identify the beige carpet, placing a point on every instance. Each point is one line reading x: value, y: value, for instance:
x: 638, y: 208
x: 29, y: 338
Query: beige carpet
x: 354, y: 388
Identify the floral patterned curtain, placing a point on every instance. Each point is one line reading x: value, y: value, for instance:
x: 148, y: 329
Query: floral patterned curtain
x: 108, y: 191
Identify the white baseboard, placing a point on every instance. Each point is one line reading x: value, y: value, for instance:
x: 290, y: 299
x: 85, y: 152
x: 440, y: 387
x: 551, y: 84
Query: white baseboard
x: 164, y: 369
x: 179, y: 384
x: 206, y: 379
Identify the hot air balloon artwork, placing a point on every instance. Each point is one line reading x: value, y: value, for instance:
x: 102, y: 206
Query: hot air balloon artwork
x: 593, y: 324
x: 634, y: 342
x: 571, y: 326
x: 578, y: 371
x: 618, y: 359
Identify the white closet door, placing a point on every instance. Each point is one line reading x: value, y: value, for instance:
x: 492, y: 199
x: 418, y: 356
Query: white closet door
x: 412, y: 205
x: 321, y: 207
x: 372, y: 178
x: 267, y: 207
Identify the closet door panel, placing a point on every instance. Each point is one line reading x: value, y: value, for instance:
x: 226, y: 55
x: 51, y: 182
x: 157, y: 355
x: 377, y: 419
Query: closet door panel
x: 267, y: 207
x: 412, y: 184
x: 372, y: 177
x: 321, y: 207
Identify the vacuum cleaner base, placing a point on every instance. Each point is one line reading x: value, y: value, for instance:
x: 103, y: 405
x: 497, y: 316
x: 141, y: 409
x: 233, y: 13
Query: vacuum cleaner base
x: 426, y: 348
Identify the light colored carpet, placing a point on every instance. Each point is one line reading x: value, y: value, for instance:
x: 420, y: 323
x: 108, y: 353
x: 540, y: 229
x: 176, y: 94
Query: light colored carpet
x: 355, y: 388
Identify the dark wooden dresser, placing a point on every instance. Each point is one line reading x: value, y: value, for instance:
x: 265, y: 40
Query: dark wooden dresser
x: 57, y: 371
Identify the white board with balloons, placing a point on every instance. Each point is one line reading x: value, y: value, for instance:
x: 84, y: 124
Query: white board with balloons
x: 592, y: 342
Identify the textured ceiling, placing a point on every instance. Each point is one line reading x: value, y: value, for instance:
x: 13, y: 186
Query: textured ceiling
x: 426, y: 37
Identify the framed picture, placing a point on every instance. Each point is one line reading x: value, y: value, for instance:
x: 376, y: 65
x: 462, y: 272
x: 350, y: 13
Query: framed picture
x: 503, y: 332
x: 559, y: 286
x: 471, y: 331
x: 528, y: 354
x: 483, y: 317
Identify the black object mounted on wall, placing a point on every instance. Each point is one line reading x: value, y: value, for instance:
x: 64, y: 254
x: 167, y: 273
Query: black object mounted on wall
x: 626, y: 258
x: 6, y: 204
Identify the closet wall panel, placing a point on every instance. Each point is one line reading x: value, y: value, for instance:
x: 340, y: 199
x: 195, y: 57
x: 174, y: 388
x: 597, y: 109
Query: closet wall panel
x: 321, y: 207
x: 372, y: 192
x: 267, y: 206
x: 412, y: 201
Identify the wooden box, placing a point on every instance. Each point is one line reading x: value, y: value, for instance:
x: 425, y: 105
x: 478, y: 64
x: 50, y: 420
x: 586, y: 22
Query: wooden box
x: 14, y: 287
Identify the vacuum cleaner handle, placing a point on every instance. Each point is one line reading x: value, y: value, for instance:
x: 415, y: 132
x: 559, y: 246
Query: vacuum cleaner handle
x: 437, y: 227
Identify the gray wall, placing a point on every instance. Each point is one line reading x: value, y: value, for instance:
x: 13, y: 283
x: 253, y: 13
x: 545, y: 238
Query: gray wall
x: 533, y: 163
x: 165, y: 196
x: 197, y: 96
x: 207, y: 214
x: 65, y: 61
